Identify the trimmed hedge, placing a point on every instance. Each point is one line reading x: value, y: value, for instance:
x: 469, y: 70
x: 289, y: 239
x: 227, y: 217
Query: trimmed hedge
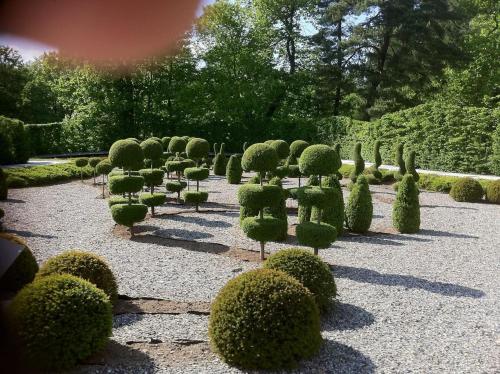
x: 234, y: 171
x: 14, y: 140
x: 316, y: 235
x: 257, y: 197
x: 467, y: 190
x: 493, y: 192
x: 22, y: 271
x: 126, y: 154
x: 45, y: 175
x: 262, y: 229
x: 318, y: 159
x: 259, y: 157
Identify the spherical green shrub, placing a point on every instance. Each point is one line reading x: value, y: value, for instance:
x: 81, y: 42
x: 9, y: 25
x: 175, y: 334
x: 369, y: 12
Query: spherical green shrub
x: 269, y: 142
x: 281, y: 147
x: 220, y: 162
x: 318, y: 159
x: 84, y: 265
x: 113, y: 200
x: 262, y: 229
x: 127, y: 215
x: 410, y: 165
x: 22, y: 271
x: 197, y: 148
x: 264, y: 319
x: 467, y: 190
x: 81, y: 162
x: 153, y: 149
x: 4, y: 189
x: 119, y: 184
x: 196, y: 174
x: 359, y: 163
x: 406, y: 207
x: 359, y: 209
x: 316, y: 235
x: 259, y: 157
x: 126, y: 154
x: 104, y: 167
x: 94, y: 161
x: 165, y: 141
x: 177, y: 144
x: 257, y: 197
x: 60, y: 320
x: 297, y: 147
x: 309, y: 270
x: 234, y: 171
x: 400, y: 162
x: 493, y: 192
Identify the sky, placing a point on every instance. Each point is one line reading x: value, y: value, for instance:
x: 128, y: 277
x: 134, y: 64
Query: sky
x: 30, y: 49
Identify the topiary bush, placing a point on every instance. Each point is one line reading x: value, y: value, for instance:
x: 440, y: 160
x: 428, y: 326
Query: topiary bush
x: 84, y: 265
x: 128, y: 214
x: 196, y: 197
x: 120, y: 184
x: 152, y: 200
x: 220, y: 161
x: 493, y: 192
x: 93, y: 162
x: 406, y: 207
x: 234, y: 171
x: 467, y: 190
x: 81, y: 163
x: 176, y: 187
x: 400, y: 162
x: 297, y: 147
x: 152, y: 178
x: 318, y: 160
x: 359, y: 163
x: 60, y: 320
x: 337, y: 151
x: 333, y: 212
x: 165, y: 141
x: 359, y: 209
x: 197, y: 149
x: 309, y: 270
x: 410, y: 165
x: 177, y: 144
x: 126, y: 154
x: 318, y: 235
x: 264, y: 319
x: 113, y: 200
x: 260, y: 158
x: 153, y: 151
x: 279, y: 210
x: 282, y: 148
x: 22, y: 271
x: 4, y: 189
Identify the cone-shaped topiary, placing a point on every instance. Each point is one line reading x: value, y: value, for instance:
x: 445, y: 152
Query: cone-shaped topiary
x: 400, y: 162
x: 197, y: 149
x: 81, y: 163
x: 467, y: 190
x: 152, y: 200
x: 220, y: 161
x: 493, y: 192
x: 333, y: 212
x: 264, y: 319
x: 84, y: 265
x: 234, y: 171
x: 359, y: 163
x: 126, y: 154
x: 4, y: 189
x: 281, y: 147
x: 410, y: 165
x: 60, y: 320
x: 177, y: 144
x: 22, y: 271
x: 406, y: 208
x: 309, y: 270
x: 359, y: 209
x: 153, y: 150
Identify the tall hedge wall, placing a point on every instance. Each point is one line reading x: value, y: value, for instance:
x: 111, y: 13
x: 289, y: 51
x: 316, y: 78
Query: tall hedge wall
x: 445, y: 137
x: 14, y: 141
x: 45, y: 138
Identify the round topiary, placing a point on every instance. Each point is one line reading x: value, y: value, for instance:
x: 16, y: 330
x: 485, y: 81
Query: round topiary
x: 234, y: 171
x: 4, y: 189
x: 84, y: 265
x: 359, y: 209
x: 281, y: 147
x: 120, y: 184
x: 259, y: 157
x: 127, y: 215
x: 196, y: 174
x: 157, y: 139
x: 297, y: 147
x: 175, y: 186
x: 309, y: 270
x: 165, y: 141
x: 316, y: 235
x: 318, y: 159
x: 264, y: 319
x: 493, y: 192
x: 126, y: 154
x: 81, y: 162
x: 152, y: 177
x: 94, y: 161
x: 197, y: 148
x: 406, y: 207
x: 152, y: 199
x: 467, y: 190
x: 195, y: 198
x: 152, y: 148
x: 104, y: 167
x: 134, y: 140
x: 257, y: 197
x: 262, y: 229
x: 22, y: 271
x: 121, y: 200
x: 60, y: 320
x: 177, y: 144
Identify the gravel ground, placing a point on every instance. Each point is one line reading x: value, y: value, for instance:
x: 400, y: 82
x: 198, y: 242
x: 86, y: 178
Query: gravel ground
x: 424, y: 303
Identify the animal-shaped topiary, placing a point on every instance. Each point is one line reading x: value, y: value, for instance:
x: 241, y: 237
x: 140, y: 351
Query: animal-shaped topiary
x: 359, y: 209
x: 410, y: 165
x: 359, y: 163
x: 4, y: 189
x: 264, y: 319
x: 22, y: 271
x: 400, y: 162
x: 103, y: 168
x: 234, y: 171
x: 220, y: 161
x: 81, y: 163
x: 196, y: 197
x: 406, y: 207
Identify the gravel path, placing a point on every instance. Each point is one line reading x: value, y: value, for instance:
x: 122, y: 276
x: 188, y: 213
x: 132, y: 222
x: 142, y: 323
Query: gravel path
x: 424, y: 303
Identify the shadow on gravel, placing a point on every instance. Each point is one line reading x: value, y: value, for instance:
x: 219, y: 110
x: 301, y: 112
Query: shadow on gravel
x: 17, y: 201
x: 118, y: 356
x: 446, y: 234
x: 121, y: 320
x: 374, y: 277
x: 338, y: 358
x: 370, y: 239
x: 197, y: 220
x: 447, y: 206
x: 29, y: 234
x: 182, y: 234
x: 346, y: 317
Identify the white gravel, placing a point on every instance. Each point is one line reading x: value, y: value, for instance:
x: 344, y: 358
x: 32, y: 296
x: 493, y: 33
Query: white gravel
x: 424, y: 303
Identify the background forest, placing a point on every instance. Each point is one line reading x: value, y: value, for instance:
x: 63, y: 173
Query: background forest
x: 422, y: 71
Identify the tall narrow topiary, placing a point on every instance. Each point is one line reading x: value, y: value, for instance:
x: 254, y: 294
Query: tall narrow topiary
x: 359, y: 163
x: 220, y: 161
x: 234, y: 171
x: 334, y: 210
x: 410, y: 165
x: 176, y: 165
x: 196, y: 197
x: 103, y: 168
x: 359, y: 209
x: 337, y: 151
x: 93, y: 161
x: 400, y: 162
x: 406, y: 207
x: 152, y: 178
x: 377, y: 161
x: 4, y: 189
x: 279, y: 210
x: 81, y: 163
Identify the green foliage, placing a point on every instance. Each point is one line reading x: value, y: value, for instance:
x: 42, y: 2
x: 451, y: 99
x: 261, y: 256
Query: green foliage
x: 359, y: 163
x: 196, y: 174
x: 45, y: 175
x: 493, y: 192
x: 467, y: 189
x: 152, y: 177
x: 177, y: 144
x: 495, y: 157
x: 195, y: 197
x: 81, y: 162
x: 220, y: 162
x: 318, y: 159
x: 309, y: 270
x: 262, y: 229
x: 377, y: 158
x: 165, y: 141
x: 60, y: 320
x: 175, y: 186
x: 126, y: 154
x: 113, y: 200
x: 279, y: 210
x: 4, y: 188
x: 316, y: 235
x: 120, y: 184
x: 259, y: 157
x: 257, y: 197
x: 22, y: 271
x: 359, y: 209
x: 197, y: 148
x: 293, y: 171
x: 152, y: 148
x: 297, y: 147
x: 333, y: 210
x: 410, y: 165
x: 304, y: 213
x: 45, y: 138
x: 400, y: 161
x: 15, y: 141
x: 84, y: 265
x: 152, y: 199
x: 234, y: 171
x: 281, y: 147
x: 313, y: 196
x: 406, y: 207
x: 93, y: 161
x: 175, y: 166
x: 127, y: 215
x: 264, y: 319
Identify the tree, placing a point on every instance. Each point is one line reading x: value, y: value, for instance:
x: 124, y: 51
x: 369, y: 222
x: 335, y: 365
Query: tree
x: 12, y: 80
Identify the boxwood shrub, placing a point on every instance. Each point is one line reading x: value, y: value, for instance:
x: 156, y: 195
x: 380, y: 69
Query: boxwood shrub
x: 128, y: 214
x: 467, y: 190
x: 493, y: 192
x: 23, y: 269
x: 359, y: 209
x: 406, y: 207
